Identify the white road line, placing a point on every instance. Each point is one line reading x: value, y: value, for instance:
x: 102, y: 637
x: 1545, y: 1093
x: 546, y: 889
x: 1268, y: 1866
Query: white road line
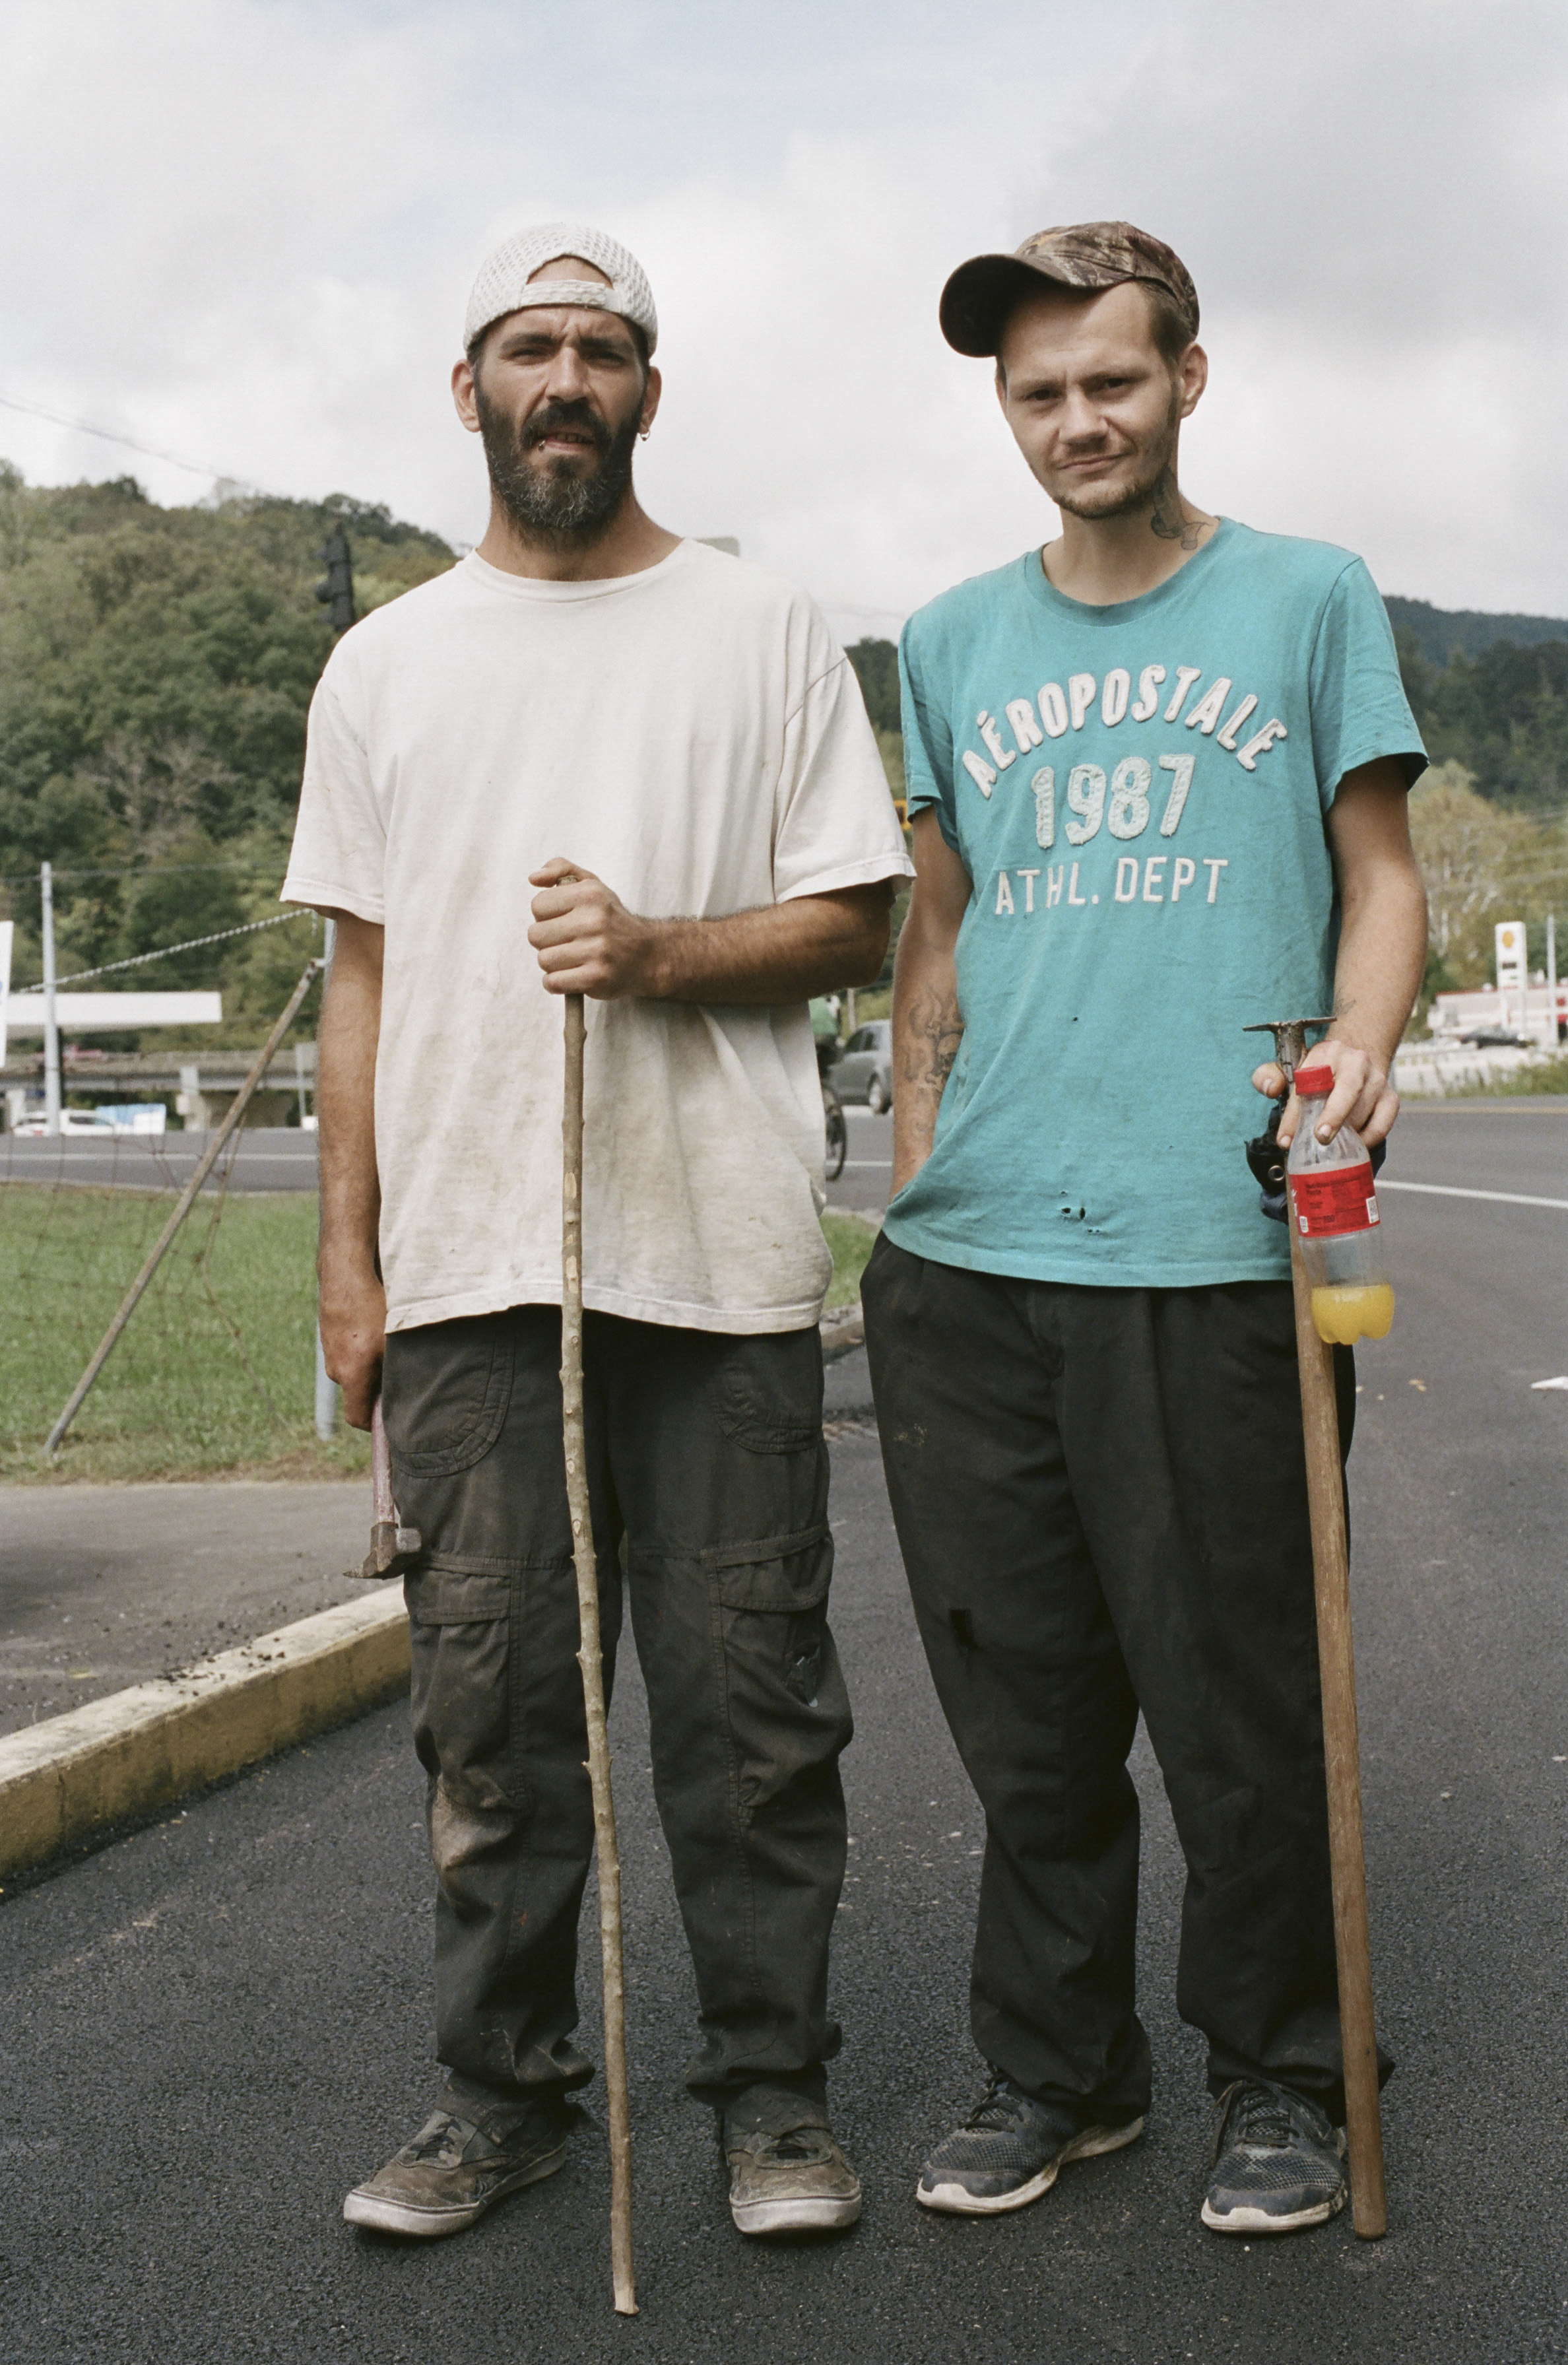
x: 1451, y: 1191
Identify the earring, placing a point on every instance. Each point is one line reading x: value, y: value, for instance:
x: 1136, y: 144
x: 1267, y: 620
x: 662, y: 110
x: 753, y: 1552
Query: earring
x: 643, y: 433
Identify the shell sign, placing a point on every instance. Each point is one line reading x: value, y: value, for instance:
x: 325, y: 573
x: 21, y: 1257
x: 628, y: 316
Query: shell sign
x: 1510, y: 954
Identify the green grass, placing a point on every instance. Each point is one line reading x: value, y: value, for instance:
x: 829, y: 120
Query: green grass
x: 1548, y: 1081
x: 1551, y: 1076
x: 851, y: 1243
x: 215, y: 1374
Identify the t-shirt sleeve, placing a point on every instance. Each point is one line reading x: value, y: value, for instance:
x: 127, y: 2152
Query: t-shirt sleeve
x: 836, y: 824
x: 338, y: 856
x: 928, y: 743
x: 1359, y: 711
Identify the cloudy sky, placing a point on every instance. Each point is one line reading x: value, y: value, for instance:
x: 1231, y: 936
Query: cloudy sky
x: 242, y: 230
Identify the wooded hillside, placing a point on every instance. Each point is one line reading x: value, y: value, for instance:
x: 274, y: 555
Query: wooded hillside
x: 1497, y: 706
x: 156, y: 665
x: 155, y: 670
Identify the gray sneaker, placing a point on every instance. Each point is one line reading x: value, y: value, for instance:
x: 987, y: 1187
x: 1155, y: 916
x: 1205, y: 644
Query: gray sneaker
x: 1278, y: 2164
x: 1011, y: 2149
x: 793, y: 2183
x: 452, y: 2172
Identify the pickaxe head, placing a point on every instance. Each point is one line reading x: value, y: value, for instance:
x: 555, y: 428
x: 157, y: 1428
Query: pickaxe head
x: 1290, y: 1040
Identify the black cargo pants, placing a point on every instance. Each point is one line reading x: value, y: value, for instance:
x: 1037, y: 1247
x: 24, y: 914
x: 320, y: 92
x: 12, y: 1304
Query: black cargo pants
x: 1101, y: 1499
x: 706, y: 1455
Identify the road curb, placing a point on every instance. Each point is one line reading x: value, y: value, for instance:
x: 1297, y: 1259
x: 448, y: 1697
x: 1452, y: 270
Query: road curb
x: 119, y: 1757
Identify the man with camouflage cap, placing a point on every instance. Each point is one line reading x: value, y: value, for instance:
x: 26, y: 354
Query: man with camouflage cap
x: 667, y: 751
x: 1157, y: 774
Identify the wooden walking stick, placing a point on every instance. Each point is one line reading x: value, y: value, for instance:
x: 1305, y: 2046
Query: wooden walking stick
x: 590, y: 1659
x: 1341, y: 1746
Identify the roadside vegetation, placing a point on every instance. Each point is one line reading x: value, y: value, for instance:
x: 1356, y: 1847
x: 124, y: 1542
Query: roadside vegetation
x: 156, y: 665
x: 851, y: 1243
x: 1547, y: 1081
x: 1483, y: 860
x: 214, y: 1376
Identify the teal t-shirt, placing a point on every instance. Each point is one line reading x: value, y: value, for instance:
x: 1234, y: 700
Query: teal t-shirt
x: 1138, y: 794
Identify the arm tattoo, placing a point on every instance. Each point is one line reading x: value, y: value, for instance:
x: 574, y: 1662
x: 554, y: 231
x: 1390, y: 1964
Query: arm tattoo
x: 932, y: 1032
x: 1166, y: 518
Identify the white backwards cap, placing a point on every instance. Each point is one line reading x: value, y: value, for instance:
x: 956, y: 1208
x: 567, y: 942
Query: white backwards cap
x: 503, y: 282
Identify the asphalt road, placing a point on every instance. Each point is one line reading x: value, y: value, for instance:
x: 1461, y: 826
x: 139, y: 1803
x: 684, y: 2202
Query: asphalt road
x: 268, y: 1158
x: 282, y: 1158
x: 1513, y: 1146
x: 1473, y: 1141
x: 104, y: 1587
x: 216, y: 2024
x: 869, y: 1166
x: 1509, y: 1145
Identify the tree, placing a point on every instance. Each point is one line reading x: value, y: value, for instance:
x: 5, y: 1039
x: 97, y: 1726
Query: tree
x: 156, y: 667
x: 1481, y: 863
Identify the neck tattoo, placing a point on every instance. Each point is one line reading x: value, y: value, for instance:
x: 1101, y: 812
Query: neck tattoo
x: 1166, y: 518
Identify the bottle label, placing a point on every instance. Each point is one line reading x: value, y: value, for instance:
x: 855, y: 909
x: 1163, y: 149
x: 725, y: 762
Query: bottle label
x: 1331, y: 1200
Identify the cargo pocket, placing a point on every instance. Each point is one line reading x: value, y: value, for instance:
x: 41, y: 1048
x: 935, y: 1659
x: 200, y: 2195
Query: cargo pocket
x: 460, y: 1634
x: 786, y: 1705
x: 447, y: 1388
x: 771, y: 1392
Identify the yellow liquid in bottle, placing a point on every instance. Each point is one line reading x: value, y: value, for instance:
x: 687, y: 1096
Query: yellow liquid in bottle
x: 1344, y: 1311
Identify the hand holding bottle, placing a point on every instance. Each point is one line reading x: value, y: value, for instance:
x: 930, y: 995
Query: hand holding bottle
x: 1334, y: 1208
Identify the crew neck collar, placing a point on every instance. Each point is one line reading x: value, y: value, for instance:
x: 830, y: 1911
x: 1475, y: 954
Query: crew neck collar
x: 1121, y: 612
x: 538, y: 587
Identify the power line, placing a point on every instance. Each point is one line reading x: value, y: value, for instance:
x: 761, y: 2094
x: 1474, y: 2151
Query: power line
x: 140, y: 961
x: 133, y: 443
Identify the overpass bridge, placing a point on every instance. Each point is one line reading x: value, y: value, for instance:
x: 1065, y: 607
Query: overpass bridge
x: 202, y: 1083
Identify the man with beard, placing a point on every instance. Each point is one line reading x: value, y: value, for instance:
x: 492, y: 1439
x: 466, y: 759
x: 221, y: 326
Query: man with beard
x: 1157, y: 774
x: 669, y: 750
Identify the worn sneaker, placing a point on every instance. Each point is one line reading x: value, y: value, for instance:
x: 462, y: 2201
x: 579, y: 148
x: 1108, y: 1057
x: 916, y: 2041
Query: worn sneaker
x: 1010, y: 2150
x: 793, y: 2183
x: 1278, y: 2164
x: 452, y: 2172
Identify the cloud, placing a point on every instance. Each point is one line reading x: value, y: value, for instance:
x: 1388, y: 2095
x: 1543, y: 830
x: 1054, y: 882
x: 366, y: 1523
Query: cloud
x: 252, y: 225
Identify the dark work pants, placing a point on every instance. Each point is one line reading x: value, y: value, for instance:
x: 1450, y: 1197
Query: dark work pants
x: 1101, y: 1498
x: 706, y: 1455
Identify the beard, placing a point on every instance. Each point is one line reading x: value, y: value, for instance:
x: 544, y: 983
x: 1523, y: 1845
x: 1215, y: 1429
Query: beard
x: 1151, y: 462
x: 549, y: 500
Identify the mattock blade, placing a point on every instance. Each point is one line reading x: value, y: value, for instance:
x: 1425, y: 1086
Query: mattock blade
x: 1290, y: 1040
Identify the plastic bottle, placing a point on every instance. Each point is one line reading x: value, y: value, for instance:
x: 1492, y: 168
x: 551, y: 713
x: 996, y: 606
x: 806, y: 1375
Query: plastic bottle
x: 1334, y: 1208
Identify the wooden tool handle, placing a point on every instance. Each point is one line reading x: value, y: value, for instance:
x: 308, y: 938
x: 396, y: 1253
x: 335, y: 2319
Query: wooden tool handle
x: 392, y: 1547
x: 1342, y: 1749
x: 590, y: 1660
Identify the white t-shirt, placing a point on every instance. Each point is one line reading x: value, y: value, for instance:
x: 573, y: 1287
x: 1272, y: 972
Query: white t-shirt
x: 692, y: 735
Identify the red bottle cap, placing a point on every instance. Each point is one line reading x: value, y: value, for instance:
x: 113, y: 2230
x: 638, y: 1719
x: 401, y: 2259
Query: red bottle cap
x: 1314, y: 1083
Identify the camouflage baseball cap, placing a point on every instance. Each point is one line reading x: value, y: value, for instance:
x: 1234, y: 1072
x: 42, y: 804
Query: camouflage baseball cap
x: 981, y: 292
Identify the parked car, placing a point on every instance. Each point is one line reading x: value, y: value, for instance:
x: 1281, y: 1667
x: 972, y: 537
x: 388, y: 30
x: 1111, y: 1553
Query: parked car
x: 864, y: 1069
x: 70, y: 1121
x: 130, y: 1116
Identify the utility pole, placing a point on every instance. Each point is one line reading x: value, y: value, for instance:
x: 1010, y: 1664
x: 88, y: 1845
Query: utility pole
x: 336, y: 586
x: 50, y: 1031
x: 1551, y: 1034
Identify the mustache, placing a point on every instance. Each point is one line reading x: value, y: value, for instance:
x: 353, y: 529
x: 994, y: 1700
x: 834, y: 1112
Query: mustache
x: 578, y: 416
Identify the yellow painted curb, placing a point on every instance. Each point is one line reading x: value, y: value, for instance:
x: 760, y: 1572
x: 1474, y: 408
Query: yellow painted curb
x: 120, y: 1757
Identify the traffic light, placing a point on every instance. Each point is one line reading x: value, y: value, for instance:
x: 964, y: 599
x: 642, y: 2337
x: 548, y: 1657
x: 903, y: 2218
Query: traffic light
x: 337, y: 585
